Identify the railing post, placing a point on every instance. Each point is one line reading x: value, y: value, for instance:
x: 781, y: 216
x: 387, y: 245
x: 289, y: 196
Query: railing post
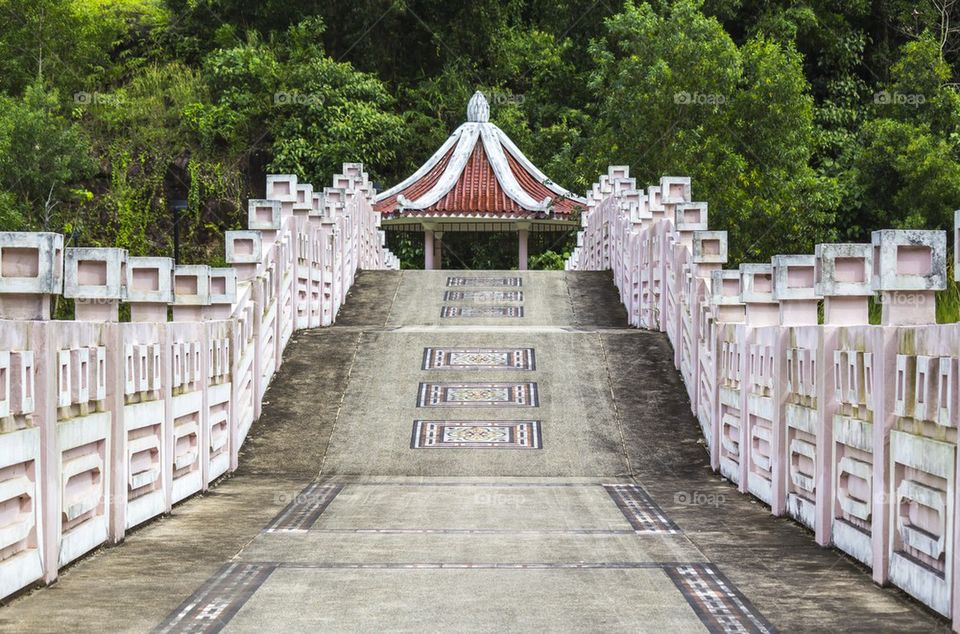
x: 730, y: 314
x: 793, y: 289
x: 909, y: 266
x: 149, y: 288
x: 149, y: 292
x: 709, y: 253
x: 191, y: 291
x: 94, y: 278
x: 222, y: 288
x: 843, y: 277
x: 31, y: 273
x: 794, y: 281
x: 757, y: 295
x: 756, y: 292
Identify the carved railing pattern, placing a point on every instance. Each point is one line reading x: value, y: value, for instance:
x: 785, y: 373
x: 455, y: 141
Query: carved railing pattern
x: 849, y: 428
x: 105, y: 425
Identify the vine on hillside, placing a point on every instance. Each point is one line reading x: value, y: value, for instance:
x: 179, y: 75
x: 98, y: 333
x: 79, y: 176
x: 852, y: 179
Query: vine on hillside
x: 132, y: 191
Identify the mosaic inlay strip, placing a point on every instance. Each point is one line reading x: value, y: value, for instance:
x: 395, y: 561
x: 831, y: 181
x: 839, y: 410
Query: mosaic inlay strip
x: 640, y: 510
x: 475, y: 434
x: 483, y: 296
x: 478, y: 395
x: 481, y: 311
x: 484, y: 281
x: 720, y: 606
x: 300, y: 514
x: 479, y: 359
x: 210, y: 608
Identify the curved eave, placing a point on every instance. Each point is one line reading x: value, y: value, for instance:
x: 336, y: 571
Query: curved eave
x: 425, y: 169
x: 532, y: 169
x: 440, y: 219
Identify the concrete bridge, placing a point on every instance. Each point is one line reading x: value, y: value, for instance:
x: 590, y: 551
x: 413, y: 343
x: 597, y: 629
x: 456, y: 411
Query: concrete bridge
x: 612, y: 519
x: 467, y: 451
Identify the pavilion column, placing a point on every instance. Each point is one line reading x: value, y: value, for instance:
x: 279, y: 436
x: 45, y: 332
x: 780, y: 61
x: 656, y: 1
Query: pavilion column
x: 523, y: 238
x: 428, y: 249
x: 438, y: 249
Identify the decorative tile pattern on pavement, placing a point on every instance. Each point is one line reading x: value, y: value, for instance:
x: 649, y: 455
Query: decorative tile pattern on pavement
x: 720, y: 606
x: 479, y: 359
x: 475, y: 434
x: 478, y: 395
x: 304, y: 509
x: 211, y: 607
x: 640, y: 510
x: 483, y: 296
x: 481, y: 311
x: 485, y: 281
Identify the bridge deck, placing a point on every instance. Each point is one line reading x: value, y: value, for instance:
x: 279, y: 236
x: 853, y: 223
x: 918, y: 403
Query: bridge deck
x: 341, y: 519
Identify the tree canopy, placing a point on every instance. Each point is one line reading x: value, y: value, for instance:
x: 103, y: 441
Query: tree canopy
x: 798, y: 121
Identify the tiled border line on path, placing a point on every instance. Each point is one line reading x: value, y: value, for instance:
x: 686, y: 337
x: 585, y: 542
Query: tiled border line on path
x: 218, y: 599
x: 450, y: 312
x: 720, y: 606
x: 442, y: 483
x: 715, y: 601
x: 483, y: 296
x: 479, y: 531
x: 640, y: 510
x: 302, y: 511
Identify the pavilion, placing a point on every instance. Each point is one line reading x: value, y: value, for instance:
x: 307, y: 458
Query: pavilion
x: 478, y: 181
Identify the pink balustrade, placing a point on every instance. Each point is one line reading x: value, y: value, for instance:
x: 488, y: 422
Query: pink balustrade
x: 848, y: 428
x: 105, y: 425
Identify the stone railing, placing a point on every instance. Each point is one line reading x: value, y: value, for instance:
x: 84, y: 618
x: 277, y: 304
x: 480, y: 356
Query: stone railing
x: 851, y: 429
x: 104, y: 425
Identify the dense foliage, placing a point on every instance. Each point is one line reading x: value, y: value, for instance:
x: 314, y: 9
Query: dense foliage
x: 799, y: 121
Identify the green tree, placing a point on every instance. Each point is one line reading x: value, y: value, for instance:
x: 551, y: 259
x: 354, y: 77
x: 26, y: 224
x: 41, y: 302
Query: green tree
x: 904, y: 169
x: 43, y: 157
x: 311, y: 112
x: 677, y: 95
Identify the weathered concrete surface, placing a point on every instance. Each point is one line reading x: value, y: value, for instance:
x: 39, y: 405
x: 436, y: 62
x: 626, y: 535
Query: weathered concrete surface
x: 545, y: 301
x: 470, y: 540
x: 581, y: 438
x: 594, y: 300
x: 467, y: 601
x: 797, y: 585
x: 301, y: 405
x: 134, y: 586
x: 370, y: 299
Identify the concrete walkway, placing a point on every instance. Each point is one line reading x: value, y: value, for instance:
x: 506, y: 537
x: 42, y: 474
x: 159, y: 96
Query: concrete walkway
x: 480, y: 471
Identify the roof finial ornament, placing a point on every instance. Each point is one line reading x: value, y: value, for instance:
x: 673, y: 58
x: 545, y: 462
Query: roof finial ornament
x: 478, y: 110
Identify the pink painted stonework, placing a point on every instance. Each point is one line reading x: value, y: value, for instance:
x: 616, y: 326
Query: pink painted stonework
x: 849, y: 428
x: 105, y: 425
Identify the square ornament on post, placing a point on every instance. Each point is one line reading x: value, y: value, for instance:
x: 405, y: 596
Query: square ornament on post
x: 95, y: 278
x: 31, y: 271
x: 909, y: 266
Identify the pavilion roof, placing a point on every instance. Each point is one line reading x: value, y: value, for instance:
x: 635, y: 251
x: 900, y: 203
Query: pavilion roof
x: 478, y: 173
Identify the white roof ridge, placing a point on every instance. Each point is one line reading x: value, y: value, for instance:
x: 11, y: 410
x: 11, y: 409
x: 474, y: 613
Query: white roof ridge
x: 426, y: 167
x: 505, y: 176
x: 452, y: 172
x: 530, y: 167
